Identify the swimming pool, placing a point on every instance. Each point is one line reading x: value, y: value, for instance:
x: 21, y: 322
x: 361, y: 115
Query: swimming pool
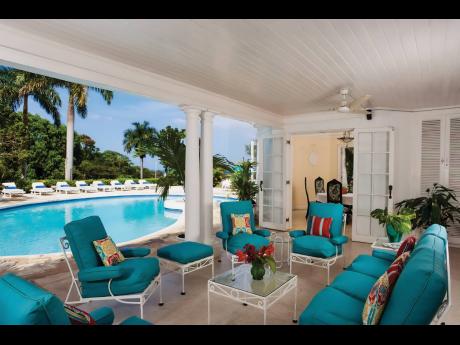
x: 36, y: 229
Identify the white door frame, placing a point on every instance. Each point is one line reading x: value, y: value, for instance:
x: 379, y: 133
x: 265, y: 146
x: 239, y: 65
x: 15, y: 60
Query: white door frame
x: 287, y: 178
x: 369, y: 238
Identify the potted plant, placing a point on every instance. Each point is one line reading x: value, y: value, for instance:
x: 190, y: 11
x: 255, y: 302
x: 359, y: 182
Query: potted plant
x: 439, y: 206
x: 241, y: 182
x: 258, y: 259
x: 396, y: 224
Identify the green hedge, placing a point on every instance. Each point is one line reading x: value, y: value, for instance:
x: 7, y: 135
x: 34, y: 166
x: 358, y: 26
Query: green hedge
x: 27, y: 184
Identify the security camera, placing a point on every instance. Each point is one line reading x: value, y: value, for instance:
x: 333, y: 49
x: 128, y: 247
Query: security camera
x: 369, y: 114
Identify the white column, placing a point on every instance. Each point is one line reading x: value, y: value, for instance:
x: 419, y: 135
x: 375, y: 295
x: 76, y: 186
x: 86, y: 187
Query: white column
x: 206, y: 176
x: 192, y: 175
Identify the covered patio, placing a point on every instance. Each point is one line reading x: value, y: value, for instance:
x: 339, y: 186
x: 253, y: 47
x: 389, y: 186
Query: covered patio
x: 284, y: 77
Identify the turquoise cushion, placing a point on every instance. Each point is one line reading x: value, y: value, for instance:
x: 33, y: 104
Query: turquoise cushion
x: 135, y: 252
x: 369, y: 265
x: 327, y: 210
x: 103, y: 316
x: 135, y: 321
x: 23, y: 303
x: 332, y: 307
x: 317, y: 246
x: 139, y: 274
x: 354, y: 284
x: 436, y: 230
x: 384, y: 254
x: 237, y: 242
x: 185, y: 252
x: 81, y: 234
x: 421, y: 287
x: 237, y: 207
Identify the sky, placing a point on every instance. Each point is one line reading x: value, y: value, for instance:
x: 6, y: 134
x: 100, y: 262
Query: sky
x: 106, y: 123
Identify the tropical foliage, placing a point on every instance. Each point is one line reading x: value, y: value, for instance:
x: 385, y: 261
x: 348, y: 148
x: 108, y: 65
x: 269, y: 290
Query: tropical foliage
x: 168, y: 145
x: 241, y: 182
x: 78, y: 102
x: 139, y: 139
x: 439, y: 206
x: 401, y: 221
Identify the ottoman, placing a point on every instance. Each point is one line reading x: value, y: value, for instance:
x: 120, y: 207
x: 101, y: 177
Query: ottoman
x: 187, y: 257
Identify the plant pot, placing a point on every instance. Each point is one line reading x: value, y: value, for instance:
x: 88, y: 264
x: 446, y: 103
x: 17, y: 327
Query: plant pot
x: 393, y: 235
x: 257, y: 271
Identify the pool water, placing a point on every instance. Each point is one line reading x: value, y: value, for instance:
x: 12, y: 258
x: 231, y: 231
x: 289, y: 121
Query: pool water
x: 36, y: 229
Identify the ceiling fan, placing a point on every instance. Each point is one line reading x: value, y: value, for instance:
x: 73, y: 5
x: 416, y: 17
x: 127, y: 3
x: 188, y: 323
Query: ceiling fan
x: 356, y: 106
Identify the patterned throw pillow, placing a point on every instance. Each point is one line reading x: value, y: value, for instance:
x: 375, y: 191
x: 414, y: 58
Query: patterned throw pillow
x: 241, y: 223
x: 407, y: 245
x: 381, y: 291
x: 108, y: 251
x: 78, y: 316
x: 320, y: 226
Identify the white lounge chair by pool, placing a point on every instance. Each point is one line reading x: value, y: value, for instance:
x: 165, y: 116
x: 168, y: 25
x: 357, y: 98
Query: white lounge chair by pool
x: 84, y: 187
x: 10, y: 189
x: 103, y: 187
x: 117, y: 185
x: 131, y: 185
x: 146, y: 184
x: 64, y: 187
x: 40, y: 189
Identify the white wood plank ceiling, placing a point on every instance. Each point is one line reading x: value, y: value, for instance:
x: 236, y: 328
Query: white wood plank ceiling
x: 284, y: 66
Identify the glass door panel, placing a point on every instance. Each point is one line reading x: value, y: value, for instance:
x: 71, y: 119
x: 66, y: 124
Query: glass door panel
x: 373, y: 176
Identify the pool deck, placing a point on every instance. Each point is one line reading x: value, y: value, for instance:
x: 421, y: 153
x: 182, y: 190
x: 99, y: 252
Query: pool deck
x: 29, y: 265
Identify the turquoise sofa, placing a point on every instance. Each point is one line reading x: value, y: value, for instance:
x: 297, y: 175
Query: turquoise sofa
x: 418, y: 295
x: 24, y: 303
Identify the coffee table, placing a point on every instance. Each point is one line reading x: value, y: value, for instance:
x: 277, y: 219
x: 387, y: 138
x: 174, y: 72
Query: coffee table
x: 383, y: 244
x: 261, y: 294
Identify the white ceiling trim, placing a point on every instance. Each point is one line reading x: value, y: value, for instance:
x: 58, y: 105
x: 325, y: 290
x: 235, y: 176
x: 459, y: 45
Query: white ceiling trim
x: 36, y: 54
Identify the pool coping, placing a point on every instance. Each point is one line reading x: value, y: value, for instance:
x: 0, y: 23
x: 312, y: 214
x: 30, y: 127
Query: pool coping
x: 176, y: 228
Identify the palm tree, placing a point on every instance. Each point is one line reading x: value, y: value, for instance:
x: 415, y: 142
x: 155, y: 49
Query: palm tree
x: 169, y: 147
x: 140, y: 140
x: 78, y: 101
x: 41, y: 88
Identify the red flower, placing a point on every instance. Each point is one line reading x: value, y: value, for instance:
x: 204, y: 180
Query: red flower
x: 241, y: 256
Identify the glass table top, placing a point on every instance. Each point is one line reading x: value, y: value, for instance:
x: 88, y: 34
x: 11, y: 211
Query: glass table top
x: 244, y: 282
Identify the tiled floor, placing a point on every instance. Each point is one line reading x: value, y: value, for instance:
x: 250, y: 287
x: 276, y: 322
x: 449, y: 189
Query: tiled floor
x: 192, y: 308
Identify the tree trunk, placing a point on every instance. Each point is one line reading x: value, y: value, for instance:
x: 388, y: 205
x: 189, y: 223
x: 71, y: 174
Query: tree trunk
x: 142, y: 168
x: 69, y: 140
x: 25, y: 111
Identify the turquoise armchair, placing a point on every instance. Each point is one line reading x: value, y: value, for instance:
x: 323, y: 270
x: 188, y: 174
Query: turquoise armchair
x: 317, y: 250
x: 24, y: 303
x: 232, y: 243
x: 132, y: 281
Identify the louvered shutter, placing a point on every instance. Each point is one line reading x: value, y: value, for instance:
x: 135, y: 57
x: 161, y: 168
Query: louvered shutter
x: 454, y: 172
x: 431, y: 154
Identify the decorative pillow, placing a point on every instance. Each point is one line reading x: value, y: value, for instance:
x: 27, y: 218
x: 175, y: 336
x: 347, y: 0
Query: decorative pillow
x: 407, y: 245
x: 320, y: 226
x: 108, y: 251
x: 381, y: 291
x: 241, y: 223
x: 78, y: 316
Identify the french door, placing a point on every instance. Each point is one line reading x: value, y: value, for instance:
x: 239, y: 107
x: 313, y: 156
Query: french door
x: 274, y: 199
x: 372, y: 180
x: 440, y: 160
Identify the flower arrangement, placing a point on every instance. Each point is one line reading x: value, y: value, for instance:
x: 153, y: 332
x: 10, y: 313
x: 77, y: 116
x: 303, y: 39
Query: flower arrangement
x: 258, y: 259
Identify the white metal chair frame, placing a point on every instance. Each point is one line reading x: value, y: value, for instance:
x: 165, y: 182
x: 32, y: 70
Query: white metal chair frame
x: 131, y: 185
x: 104, y: 187
x: 190, y: 267
x: 324, y: 263
x: 447, y: 302
x: 66, y: 188
x: 147, y: 185
x: 118, y: 186
x: 84, y: 187
x: 139, y: 298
